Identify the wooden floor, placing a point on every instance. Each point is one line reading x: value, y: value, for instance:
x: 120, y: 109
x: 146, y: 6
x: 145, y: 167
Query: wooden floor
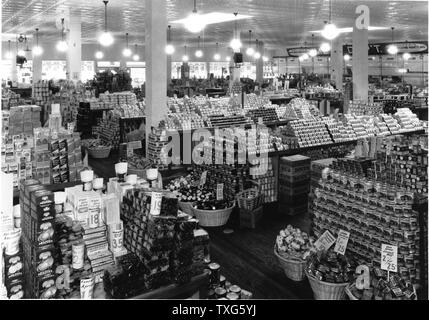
x: 246, y: 256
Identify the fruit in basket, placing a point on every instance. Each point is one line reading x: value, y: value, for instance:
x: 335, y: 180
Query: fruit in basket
x: 213, y: 204
x: 137, y: 162
x: 293, y: 243
x: 95, y: 143
x: 332, y: 267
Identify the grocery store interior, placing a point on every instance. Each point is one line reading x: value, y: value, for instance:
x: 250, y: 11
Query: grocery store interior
x: 229, y: 150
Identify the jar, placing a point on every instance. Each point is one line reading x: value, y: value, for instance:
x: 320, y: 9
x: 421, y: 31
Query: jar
x: 86, y: 176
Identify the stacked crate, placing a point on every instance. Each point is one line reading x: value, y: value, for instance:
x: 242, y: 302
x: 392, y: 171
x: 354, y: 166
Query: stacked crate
x: 294, y: 183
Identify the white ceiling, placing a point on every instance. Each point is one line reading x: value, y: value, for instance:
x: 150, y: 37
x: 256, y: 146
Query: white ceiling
x: 278, y: 23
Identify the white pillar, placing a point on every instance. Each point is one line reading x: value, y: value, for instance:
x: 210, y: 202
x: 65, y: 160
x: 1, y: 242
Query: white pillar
x: 37, y: 68
x: 169, y: 62
x: 260, y: 64
x: 208, y: 69
x: 360, y: 64
x: 74, y: 53
x: 14, y: 70
x: 336, y: 64
x: 156, y: 62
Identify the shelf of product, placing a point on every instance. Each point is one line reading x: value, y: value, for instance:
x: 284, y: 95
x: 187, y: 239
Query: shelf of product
x: 307, y: 133
x: 361, y: 108
x: 266, y: 180
x: 155, y: 148
x: 21, y: 120
x: 339, y: 130
x: 108, y: 131
x: 10, y: 99
x: 298, y: 108
x: 407, y: 120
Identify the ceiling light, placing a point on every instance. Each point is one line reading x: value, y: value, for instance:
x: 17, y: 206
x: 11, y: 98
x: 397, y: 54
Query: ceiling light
x: 312, y: 53
x: 346, y: 57
x: 330, y: 31
x: 62, y: 45
x: 325, y: 47
x: 21, y: 53
x: 227, y: 59
x: 195, y: 22
x: 305, y: 56
x: 392, y: 49
x: 250, y: 52
x: 402, y: 70
x: 215, y: 17
x: 106, y: 38
x: 127, y: 51
x: 185, y: 58
x: 37, y: 50
x: 235, y: 43
x: 257, y: 55
x: 217, y: 55
x: 9, y: 54
x: 199, y: 53
x: 136, y: 57
x: 99, y: 55
x: 169, y: 49
x: 265, y: 58
x: 301, y: 58
x: 406, y: 56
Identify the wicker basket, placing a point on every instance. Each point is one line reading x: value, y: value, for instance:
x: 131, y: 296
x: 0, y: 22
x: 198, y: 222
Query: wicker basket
x: 212, y: 218
x: 250, y: 199
x: 326, y: 291
x: 186, y: 207
x: 101, y: 152
x: 349, y: 293
x: 293, y: 268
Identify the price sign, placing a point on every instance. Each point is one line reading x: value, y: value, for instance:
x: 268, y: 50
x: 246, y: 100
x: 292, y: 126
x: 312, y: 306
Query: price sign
x: 203, y: 178
x: 325, y: 241
x: 93, y: 219
x: 341, y: 244
x: 389, y: 257
x: 219, y: 191
x: 155, y: 203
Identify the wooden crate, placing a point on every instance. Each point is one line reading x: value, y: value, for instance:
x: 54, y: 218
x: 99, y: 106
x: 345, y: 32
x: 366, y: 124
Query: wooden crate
x: 249, y: 219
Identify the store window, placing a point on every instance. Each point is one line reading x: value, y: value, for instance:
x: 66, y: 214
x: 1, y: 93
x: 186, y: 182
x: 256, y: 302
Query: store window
x: 6, y: 70
x: 54, y: 69
x: 137, y: 73
x: 198, y: 70
x: 248, y: 70
x: 25, y: 73
x: 219, y: 68
x: 87, y: 70
x: 175, y: 70
x: 108, y: 64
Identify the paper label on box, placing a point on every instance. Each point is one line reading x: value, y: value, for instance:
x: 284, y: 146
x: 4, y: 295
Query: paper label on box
x: 342, y: 240
x: 219, y: 191
x: 389, y: 257
x: 155, y: 203
x: 325, y: 241
x: 203, y: 178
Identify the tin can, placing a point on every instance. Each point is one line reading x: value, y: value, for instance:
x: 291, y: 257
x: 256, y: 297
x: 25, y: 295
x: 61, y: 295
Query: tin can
x: 78, y: 251
x: 232, y: 296
x: 215, y: 273
x: 235, y: 289
x: 220, y: 292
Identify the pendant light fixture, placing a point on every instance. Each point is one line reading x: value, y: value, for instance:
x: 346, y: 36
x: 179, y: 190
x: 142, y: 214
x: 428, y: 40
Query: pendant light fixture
x: 392, y: 49
x: 250, y: 51
x: 37, y: 50
x: 199, y: 53
x: 9, y: 54
x: 19, y: 52
x: 127, y: 51
x: 169, y: 48
x: 312, y: 52
x: 136, y: 57
x: 99, y: 54
x: 27, y: 49
x: 228, y: 58
x: 62, y: 45
x: 106, y: 38
x: 217, y: 55
x: 264, y: 57
x: 346, y: 57
x: 330, y: 31
x: 257, y: 54
x: 185, y: 57
x: 406, y: 56
x: 325, y: 47
x: 195, y: 22
x: 235, y: 43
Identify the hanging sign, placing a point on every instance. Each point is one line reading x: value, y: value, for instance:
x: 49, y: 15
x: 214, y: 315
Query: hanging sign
x: 325, y: 241
x: 155, y: 203
x: 362, y: 21
x: 389, y: 257
x: 342, y: 240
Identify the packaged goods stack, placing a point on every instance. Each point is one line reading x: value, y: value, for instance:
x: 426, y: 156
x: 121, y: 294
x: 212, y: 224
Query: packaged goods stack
x: 307, y: 133
x: 298, y: 108
x: 41, y: 93
x: 294, y: 184
x: 10, y: 99
x: 267, y: 115
x: 407, y: 120
x: 391, y: 123
x: 108, y: 131
x: 155, y: 153
x: 266, y: 180
x: 339, y: 131
x: 361, y: 108
x: 13, y: 272
x: 21, y: 120
x: 38, y: 234
x: 83, y: 119
x: 118, y: 99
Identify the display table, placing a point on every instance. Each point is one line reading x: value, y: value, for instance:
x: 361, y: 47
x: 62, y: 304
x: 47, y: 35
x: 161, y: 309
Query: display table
x: 198, y: 283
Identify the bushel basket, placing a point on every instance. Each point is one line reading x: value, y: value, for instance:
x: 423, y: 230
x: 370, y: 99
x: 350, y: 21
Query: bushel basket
x: 326, y: 291
x: 293, y: 268
x: 101, y: 152
x: 250, y: 199
x: 212, y: 218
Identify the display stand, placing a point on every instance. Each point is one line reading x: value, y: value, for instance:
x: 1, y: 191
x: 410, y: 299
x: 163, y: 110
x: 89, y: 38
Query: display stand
x: 198, y: 283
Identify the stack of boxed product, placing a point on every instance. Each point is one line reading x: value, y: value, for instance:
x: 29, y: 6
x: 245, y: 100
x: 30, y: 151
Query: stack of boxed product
x: 56, y: 160
x: 21, y: 120
x: 155, y: 152
x: 10, y: 99
x: 391, y: 123
x: 13, y: 271
x: 339, y: 131
x: 265, y: 179
x: 41, y: 92
x: 407, y: 120
x: 118, y: 99
x: 38, y: 232
x: 294, y: 182
x: 108, y: 130
x: 298, y: 108
x: 308, y: 133
x: 361, y: 108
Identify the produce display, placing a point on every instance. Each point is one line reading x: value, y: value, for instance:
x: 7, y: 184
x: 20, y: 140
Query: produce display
x: 292, y: 243
x: 95, y: 143
x: 331, y: 267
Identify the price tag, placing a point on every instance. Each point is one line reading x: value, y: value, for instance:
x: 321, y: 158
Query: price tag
x: 341, y: 244
x: 389, y: 257
x: 93, y: 219
x: 203, y: 178
x: 155, y: 203
x: 260, y: 120
x: 219, y: 191
x: 325, y: 241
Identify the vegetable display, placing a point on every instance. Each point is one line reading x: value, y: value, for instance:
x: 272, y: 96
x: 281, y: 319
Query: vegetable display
x: 292, y: 243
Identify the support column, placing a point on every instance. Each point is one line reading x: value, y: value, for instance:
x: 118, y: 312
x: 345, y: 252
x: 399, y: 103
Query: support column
x: 336, y: 64
x: 208, y: 69
x: 360, y: 64
x: 260, y: 64
x: 14, y: 70
x: 74, y: 54
x: 156, y: 63
x: 169, y: 61
x: 37, y: 68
